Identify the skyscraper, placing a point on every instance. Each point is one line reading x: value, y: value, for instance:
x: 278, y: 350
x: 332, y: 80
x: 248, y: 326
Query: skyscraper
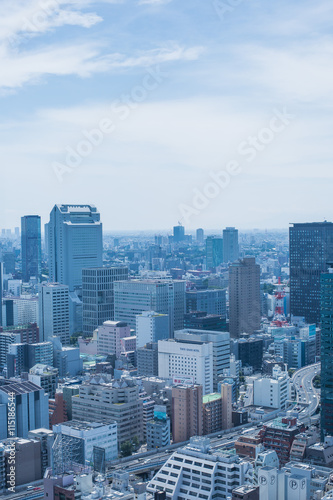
x: 230, y: 244
x: 54, y: 312
x: 327, y: 353
x: 200, y: 235
x: 31, y: 245
x: 244, y: 297
x: 311, y: 247
x: 187, y: 412
x: 98, y: 295
x: 161, y: 296
x: 214, y: 251
x: 178, y: 234
x: 151, y: 327
x: 75, y: 242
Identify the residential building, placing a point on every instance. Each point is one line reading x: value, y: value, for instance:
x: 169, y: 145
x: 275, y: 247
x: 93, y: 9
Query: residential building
x: 212, y: 413
x: 230, y: 245
x: 131, y: 298
x: 190, y: 359
x: 244, y: 297
x: 57, y: 409
x: 98, y: 295
x: 187, y: 412
x: 221, y: 349
x: 31, y: 247
x: 54, y: 312
x: 197, y: 470
x: 279, y: 436
x: 75, y: 243
x: 158, y: 429
x: 272, y: 392
x: 46, y: 439
x: 151, y: 327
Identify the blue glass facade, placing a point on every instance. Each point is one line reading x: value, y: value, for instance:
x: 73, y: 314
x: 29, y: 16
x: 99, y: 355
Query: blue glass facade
x: 31, y: 245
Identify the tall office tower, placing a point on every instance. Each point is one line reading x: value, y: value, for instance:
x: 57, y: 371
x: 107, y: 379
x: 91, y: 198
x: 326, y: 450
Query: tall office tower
x: 214, y: 251
x: 9, y: 262
x: 327, y: 353
x: 221, y: 349
x: 189, y: 360
x: 54, y: 312
x: 244, y: 297
x: 151, y: 327
x: 310, y: 247
x: 32, y: 407
x: 178, y: 234
x: 21, y: 357
x: 226, y: 393
x: 6, y: 339
x: 75, y: 242
x: 118, y: 401
x: 187, y: 412
x: 200, y: 236
x: 208, y: 301
x: 98, y: 295
x: 1, y: 293
x: 31, y: 245
x: 161, y: 296
x: 109, y: 337
x: 230, y: 244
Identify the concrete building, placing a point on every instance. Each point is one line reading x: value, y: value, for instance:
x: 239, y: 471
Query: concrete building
x: 109, y: 336
x: 190, y: 359
x: 46, y: 377
x: 6, y: 339
x: 187, y: 412
x: 221, y: 348
x: 279, y: 436
x: 212, y: 413
x: 54, y: 312
x: 245, y: 493
x: 31, y: 403
x: 272, y: 392
x: 20, y: 311
x: 68, y: 392
x: 244, y: 297
x: 46, y: 440
x: 98, y: 295
x: 226, y: 392
x: 116, y: 401
x: 131, y: 298
x: 147, y: 360
x: 22, y: 357
x: 28, y: 463
x: 57, y: 409
x: 196, y: 470
x: 75, y: 242
x: 151, y: 327
x: 158, y: 429
x: 66, y: 359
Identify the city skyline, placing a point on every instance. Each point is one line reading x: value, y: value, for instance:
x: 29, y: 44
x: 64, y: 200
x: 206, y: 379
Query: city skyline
x: 193, y: 90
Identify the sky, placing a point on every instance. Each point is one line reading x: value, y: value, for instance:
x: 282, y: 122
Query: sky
x: 212, y: 113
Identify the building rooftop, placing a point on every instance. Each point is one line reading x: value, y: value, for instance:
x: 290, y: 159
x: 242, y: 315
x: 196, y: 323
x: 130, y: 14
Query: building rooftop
x: 211, y: 397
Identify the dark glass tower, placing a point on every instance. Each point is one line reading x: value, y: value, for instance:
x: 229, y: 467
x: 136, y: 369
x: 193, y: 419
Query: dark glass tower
x: 327, y: 353
x: 31, y: 247
x: 311, y: 247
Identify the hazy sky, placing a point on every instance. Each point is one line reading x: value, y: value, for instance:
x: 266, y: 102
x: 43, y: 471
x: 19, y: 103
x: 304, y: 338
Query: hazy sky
x: 211, y: 112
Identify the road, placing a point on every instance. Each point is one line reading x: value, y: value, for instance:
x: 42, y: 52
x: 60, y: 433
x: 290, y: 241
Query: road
x: 307, y: 396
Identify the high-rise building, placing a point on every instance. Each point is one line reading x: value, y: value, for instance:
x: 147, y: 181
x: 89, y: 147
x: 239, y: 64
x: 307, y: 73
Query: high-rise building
x: 208, y: 301
x: 147, y: 360
x: 158, y: 429
x: 327, y: 353
x: 200, y: 236
x: 75, y: 243
x: 131, y: 298
x: 221, y: 349
x: 117, y: 401
x: 311, y: 248
x: 192, y: 360
x: 230, y: 244
x: 31, y: 245
x: 214, y: 251
x: 98, y: 295
x: 21, y: 357
x: 187, y: 412
x: 109, y: 336
x: 244, y: 297
x: 45, y: 377
x: 151, y: 327
x: 226, y: 392
x: 178, y: 234
x: 54, y: 312
x: 31, y: 404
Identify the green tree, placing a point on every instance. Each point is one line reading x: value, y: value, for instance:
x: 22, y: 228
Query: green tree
x: 126, y: 449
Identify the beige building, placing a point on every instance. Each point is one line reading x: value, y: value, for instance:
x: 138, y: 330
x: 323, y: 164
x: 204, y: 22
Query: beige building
x: 187, y: 412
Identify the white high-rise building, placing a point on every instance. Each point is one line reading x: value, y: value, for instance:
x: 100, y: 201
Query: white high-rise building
x: 186, y: 360
x: 221, y: 348
x: 54, y: 312
x: 75, y: 242
x: 272, y: 392
x: 151, y: 327
x: 162, y: 296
